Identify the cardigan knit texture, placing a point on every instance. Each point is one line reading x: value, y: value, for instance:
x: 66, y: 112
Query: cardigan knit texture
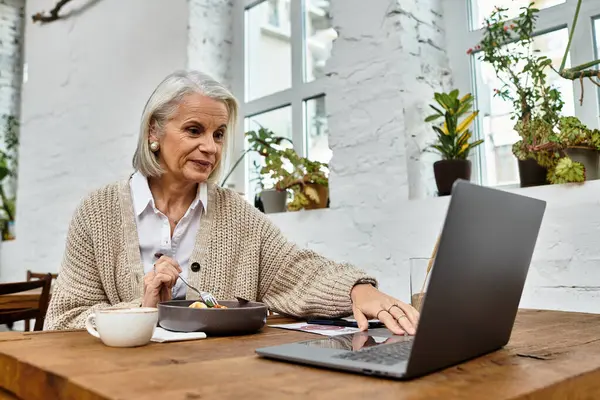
x: 240, y: 252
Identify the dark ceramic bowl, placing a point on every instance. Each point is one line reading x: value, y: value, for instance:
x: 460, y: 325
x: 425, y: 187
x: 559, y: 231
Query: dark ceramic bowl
x: 238, y: 319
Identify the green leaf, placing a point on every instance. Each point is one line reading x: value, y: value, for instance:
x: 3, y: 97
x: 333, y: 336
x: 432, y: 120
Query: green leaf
x: 439, y: 97
x: 454, y: 94
x: 437, y: 110
x: 432, y: 117
x: 447, y: 101
x: 451, y: 124
x: 466, y: 106
x: 439, y: 148
x: 439, y: 131
x: 475, y: 143
x: 4, y: 172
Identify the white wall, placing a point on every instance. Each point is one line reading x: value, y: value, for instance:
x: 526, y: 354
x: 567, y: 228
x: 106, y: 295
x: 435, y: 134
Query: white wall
x: 88, y: 79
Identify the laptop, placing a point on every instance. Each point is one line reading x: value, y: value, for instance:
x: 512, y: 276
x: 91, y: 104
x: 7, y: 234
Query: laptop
x: 472, y: 298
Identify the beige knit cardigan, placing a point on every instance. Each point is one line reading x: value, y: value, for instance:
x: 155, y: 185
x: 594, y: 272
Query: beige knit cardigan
x: 240, y: 252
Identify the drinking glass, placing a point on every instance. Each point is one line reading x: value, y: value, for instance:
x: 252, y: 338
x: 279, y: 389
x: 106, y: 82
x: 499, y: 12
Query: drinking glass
x: 419, y: 280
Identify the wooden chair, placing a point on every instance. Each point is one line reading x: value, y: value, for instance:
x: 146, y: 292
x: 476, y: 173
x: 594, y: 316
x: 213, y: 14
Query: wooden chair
x: 8, y: 316
x: 36, y: 275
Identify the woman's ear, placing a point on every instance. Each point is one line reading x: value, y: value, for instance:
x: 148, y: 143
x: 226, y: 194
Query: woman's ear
x: 153, y: 132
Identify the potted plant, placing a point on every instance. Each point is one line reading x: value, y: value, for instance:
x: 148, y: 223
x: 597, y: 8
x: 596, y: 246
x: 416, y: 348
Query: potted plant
x: 570, y: 151
x: 265, y: 143
x: 306, y: 180
x: 581, y: 145
x: 507, y: 45
x: 453, y: 138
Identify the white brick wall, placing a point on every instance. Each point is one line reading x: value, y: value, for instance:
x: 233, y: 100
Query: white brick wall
x: 386, y: 64
x: 11, y: 39
x: 210, y: 36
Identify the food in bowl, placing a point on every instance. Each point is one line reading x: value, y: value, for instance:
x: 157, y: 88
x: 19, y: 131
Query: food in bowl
x: 199, y: 304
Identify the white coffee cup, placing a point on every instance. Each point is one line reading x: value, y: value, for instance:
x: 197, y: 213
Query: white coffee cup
x: 124, y: 327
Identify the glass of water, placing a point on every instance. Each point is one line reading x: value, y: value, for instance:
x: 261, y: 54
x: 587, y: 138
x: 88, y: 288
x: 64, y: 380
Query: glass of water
x: 419, y: 279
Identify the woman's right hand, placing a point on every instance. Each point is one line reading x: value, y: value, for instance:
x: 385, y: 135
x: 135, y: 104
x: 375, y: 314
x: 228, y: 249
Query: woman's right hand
x: 159, y: 282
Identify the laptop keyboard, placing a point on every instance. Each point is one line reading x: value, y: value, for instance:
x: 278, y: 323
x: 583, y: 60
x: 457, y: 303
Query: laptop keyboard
x: 387, y: 354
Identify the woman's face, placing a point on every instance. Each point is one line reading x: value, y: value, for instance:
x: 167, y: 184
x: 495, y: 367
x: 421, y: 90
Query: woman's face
x: 192, y: 142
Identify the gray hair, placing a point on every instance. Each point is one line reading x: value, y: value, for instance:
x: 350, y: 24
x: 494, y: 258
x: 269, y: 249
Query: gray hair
x: 162, y: 104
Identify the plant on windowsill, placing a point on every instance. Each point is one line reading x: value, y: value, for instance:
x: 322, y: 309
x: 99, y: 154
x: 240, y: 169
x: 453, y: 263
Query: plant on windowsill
x: 507, y: 45
x: 581, y: 145
x: 453, y: 138
x: 265, y: 143
x: 306, y: 180
x: 570, y: 150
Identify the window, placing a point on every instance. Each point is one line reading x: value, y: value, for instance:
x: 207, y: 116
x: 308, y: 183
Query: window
x: 480, y: 9
x: 494, y: 163
x: 279, y: 71
x: 280, y: 121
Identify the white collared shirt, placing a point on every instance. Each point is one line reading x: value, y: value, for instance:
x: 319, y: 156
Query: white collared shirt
x: 154, y: 230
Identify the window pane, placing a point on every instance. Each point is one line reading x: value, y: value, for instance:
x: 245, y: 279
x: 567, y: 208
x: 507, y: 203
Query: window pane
x: 278, y: 121
x: 497, y: 128
x: 319, y: 38
x: 317, y: 145
x: 597, y: 32
x: 597, y: 41
x: 268, y: 50
x: 481, y: 9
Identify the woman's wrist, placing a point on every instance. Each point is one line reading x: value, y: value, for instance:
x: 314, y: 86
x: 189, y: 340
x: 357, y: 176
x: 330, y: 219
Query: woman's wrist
x: 360, y: 287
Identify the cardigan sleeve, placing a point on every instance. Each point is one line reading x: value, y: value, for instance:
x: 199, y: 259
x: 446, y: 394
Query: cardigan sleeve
x: 300, y: 282
x: 78, y: 290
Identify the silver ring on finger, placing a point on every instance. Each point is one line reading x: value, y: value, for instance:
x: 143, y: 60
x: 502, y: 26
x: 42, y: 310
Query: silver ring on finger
x: 377, y: 316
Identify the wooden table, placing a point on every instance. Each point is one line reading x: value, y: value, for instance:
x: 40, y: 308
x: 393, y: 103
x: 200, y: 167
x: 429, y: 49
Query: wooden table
x: 28, y: 299
x: 552, y: 355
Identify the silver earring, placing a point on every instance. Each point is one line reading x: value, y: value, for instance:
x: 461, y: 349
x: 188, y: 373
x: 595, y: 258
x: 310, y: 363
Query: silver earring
x: 154, y: 146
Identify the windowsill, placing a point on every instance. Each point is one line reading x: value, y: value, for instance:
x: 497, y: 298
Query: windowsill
x: 275, y: 32
x: 546, y: 192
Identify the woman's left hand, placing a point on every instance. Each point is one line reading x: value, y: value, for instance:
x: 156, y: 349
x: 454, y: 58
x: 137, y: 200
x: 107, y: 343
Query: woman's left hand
x: 370, y: 303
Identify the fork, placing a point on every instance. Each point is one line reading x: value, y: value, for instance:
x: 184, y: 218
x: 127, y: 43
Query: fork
x: 207, y: 297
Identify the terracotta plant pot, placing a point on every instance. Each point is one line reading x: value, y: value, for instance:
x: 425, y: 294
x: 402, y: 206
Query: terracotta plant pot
x: 532, y: 174
x: 448, y: 171
x: 323, y: 192
x: 590, y: 159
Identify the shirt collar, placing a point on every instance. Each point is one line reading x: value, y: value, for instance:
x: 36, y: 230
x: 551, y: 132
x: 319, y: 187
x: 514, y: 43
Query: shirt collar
x: 142, y: 196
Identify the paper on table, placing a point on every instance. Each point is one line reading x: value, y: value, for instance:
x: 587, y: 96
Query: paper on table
x: 325, y: 330
x: 161, y: 335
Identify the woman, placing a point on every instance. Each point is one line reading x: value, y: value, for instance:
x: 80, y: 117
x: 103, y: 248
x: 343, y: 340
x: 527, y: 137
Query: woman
x: 129, y: 241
